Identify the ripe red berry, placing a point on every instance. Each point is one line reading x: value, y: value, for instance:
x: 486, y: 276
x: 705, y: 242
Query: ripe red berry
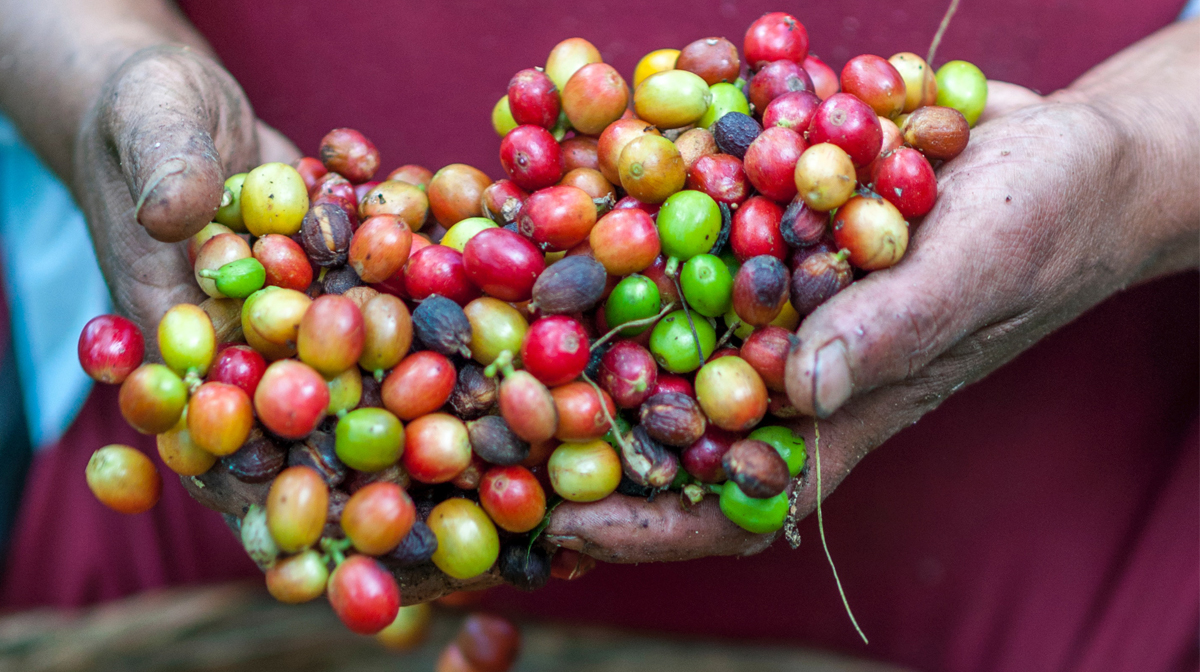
x: 110, y: 348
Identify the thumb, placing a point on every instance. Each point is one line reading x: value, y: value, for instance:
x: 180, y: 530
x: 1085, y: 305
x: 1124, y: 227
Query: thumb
x: 171, y: 116
x: 887, y: 326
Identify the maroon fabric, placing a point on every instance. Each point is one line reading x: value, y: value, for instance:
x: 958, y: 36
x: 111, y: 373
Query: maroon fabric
x: 1043, y: 519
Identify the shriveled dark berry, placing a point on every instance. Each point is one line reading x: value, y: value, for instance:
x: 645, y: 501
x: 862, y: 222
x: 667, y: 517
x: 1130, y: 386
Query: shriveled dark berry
x: 802, y: 226
x: 734, y: 132
x: 571, y: 285
x: 317, y: 452
x: 523, y: 567
x: 338, y: 280
x: 757, y: 468
x: 817, y: 279
x: 494, y: 441
x: 760, y: 289
x: 259, y: 459
x: 415, y: 548
x: 441, y: 325
x: 673, y: 418
x: 474, y: 393
x: 646, y: 462
x: 326, y: 234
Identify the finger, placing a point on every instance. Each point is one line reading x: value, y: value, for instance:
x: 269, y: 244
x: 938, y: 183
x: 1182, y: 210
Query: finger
x: 171, y: 116
x: 630, y: 530
x: 274, y: 147
x: 1005, y: 98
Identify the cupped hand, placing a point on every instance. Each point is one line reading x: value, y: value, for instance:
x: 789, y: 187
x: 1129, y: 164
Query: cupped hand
x: 150, y: 164
x: 1034, y: 224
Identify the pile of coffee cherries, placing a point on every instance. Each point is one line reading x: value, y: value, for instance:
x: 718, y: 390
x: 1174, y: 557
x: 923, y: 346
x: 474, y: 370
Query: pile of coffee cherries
x: 615, y: 316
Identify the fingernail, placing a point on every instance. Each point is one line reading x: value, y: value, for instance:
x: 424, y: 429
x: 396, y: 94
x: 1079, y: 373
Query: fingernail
x: 831, y: 379
x: 163, y: 171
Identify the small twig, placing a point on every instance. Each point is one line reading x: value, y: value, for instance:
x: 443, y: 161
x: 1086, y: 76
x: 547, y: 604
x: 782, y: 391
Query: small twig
x: 737, y: 323
x: 821, y: 529
x: 687, y: 313
x: 937, y: 37
x: 634, y: 324
x: 612, y: 422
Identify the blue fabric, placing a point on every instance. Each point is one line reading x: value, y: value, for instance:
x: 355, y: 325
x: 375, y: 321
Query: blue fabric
x: 1191, y: 10
x: 54, y: 286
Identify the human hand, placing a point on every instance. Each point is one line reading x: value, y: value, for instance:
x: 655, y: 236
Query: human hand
x: 150, y: 164
x: 1034, y: 224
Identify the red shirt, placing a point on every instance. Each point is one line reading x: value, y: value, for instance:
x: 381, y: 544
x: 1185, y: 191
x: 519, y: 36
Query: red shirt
x: 1044, y: 518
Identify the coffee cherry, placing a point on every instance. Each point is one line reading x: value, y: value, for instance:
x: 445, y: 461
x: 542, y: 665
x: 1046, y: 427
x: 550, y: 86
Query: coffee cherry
x: 674, y: 346
x: 219, y: 417
x: 688, y: 224
x: 273, y: 314
x: 436, y: 448
x: 906, y: 180
x: 849, y: 123
x: 702, y: 459
x: 467, y: 543
x: 409, y: 630
x: 369, y: 439
x: 216, y: 252
x: 531, y: 157
x: 940, y: 133
x: 758, y: 516
x: 625, y: 241
x: 771, y: 162
x: 502, y: 199
x: 420, y: 384
x: 495, y: 327
x: 503, y: 264
x: 776, y: 79
x: 152, y: 398
x: 695, y: 143
x: 377, y: 517
x: 513, y: 498
x: 180, y: 453
x: 533, y: 98
x: 379, y: 248
x: 437, y: 269
x: 350, y: 153
x: 345, y: 391
x: 732, y: 394
x: 962, y: 86
x: 460, y: 234
x: 274, y: 200
x: 756, y: 229
x: 634, y: 298
x: 528, y: 407
x: 872, y: 230
x: 920, y: 85
x: 721, y: 176
x: 672, y: 98
x: 628, y: 372
x: 824, y: 78
x: 613, y: 141
x: 387, y: 333
x: 297, y: 504
x: 558, y: 217
x: 672, y: 418
x: 773, y: 37
x: 364, y: 595
x: 707, y: 285
x: 285, y: 262
x: 584, y: 472
x: 580, y: 414
x: 572, y: 285
x: 786, y: 442
x: 734, y: 132
x: 726, y: 98
x: 555, y: 350
x: 331, y: 335
x: 298, y: 578
x: 502, y: 119
x: 715, y: 59
x: 291, y: 399
x: 123, y: 479
x: 766, y: 350
x: 760, y: 289
x: 454, y: 193
x: 594, y: 97
x: 876, y: 82
x: 650, y: 168
x: 110, y: 348
x: 824, y: 177
x: 567, y: 57
x: 793, y: 110
x: 756, y: 468
x: 441, y: 326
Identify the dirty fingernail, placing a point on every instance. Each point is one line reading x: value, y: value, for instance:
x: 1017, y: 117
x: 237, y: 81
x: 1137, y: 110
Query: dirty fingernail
x: 163, y: 171
x: 831, y: 379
